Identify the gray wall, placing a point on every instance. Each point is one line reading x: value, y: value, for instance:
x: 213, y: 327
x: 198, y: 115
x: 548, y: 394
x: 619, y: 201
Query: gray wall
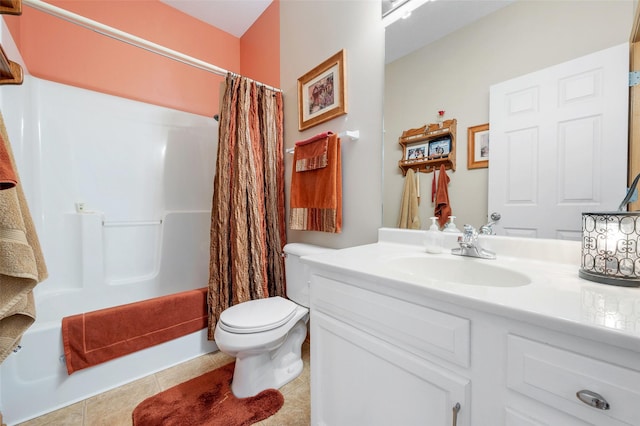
x: 454, y: 74
x: 310, y: 32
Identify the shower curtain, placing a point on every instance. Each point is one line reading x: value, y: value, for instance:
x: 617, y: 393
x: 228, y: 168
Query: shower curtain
x: 247, y: 215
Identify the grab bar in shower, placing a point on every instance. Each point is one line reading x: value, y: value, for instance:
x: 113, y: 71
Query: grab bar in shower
x: 132, y: 223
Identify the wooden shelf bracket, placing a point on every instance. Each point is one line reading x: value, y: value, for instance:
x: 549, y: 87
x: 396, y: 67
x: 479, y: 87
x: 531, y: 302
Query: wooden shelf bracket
x: 10, y: 72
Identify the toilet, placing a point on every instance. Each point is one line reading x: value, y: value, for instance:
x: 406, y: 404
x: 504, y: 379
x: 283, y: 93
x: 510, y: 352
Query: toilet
x: 266, y: 335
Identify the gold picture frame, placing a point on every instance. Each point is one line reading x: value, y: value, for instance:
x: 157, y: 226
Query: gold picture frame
x: 478, y: 146
x: 322, y: 92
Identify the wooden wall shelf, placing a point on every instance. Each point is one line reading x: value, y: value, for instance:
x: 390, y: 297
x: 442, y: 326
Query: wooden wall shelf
x: 11, y: 7
x: 10, y: 72
x: 428, y: 147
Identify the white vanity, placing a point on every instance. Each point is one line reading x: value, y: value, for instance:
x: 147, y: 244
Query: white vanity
x: 400, y: 337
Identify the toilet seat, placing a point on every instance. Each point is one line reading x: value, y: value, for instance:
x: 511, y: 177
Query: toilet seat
x: 258, y: 315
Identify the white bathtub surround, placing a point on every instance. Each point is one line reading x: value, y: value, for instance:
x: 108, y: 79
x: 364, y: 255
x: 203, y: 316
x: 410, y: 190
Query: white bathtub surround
x: 120, y: 193
x: 508, y: 354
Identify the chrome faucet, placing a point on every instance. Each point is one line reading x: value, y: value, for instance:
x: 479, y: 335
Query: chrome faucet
x: 488, y: 228
x: 470, y: 246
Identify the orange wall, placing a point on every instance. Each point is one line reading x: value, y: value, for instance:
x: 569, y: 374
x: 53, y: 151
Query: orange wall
x: 59, y: 51
x: 260, y: 48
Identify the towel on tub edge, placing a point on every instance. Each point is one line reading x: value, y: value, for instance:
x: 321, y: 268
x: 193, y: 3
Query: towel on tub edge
x: 95, y: 337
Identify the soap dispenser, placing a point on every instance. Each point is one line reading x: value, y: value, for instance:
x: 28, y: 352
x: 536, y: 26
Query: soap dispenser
x: 433, y: 238
x: 451, y: 226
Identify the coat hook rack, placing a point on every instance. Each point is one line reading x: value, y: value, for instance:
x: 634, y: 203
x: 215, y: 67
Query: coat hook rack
x: 353, y: 135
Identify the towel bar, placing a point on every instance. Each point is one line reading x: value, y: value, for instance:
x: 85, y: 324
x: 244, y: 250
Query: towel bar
x: 354, y: 135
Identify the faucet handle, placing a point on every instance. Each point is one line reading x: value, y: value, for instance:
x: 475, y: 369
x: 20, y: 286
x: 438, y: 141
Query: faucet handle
x: 469, y: 230
x: 488, y: 228
x: 469, y: 234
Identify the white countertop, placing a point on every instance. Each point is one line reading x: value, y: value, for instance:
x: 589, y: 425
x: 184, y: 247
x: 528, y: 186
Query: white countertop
x: 556, y: 298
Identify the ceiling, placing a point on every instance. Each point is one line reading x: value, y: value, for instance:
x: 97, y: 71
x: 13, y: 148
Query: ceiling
x: 429, y: 22
x: 434, y: 20
x: 232, y: 16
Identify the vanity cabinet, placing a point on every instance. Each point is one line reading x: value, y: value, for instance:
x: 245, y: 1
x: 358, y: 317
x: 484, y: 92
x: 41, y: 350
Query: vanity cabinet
x: 371, y: 360
x: 386, y: 355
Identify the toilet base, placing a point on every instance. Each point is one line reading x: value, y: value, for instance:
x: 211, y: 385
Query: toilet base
x: 271, y: 369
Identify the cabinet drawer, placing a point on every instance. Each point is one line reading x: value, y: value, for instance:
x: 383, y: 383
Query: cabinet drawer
x: 553, y: 376
x: 415, y: 328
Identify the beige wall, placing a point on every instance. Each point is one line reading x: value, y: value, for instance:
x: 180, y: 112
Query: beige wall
x: 454, y: 74
x: 310, y: 32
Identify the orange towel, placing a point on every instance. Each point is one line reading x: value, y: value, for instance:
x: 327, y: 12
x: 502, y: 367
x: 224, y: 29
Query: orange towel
x: 443, y: 209
x: 8, y: 177
x: 316, y: 190
x: 312, y: 153
x: 99, y: 336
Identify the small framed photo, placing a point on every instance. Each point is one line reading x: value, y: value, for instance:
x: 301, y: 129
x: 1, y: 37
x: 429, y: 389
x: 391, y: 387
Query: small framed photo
x: 416, y: 152
x: 478, y: 147
x: 322, y: 92
x: 439, y: 148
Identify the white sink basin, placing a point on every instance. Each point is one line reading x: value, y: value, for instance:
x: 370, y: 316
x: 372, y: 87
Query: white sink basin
x: 462, y: 270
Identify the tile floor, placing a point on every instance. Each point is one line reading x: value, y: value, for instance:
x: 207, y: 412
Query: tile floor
x: 114, y: 407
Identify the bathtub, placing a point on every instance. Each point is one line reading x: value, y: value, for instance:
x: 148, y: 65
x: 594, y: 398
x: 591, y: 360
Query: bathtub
x: 120, y: 192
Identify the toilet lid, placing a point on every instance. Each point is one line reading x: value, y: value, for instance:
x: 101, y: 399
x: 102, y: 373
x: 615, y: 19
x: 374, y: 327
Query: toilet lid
x: 257, y: 315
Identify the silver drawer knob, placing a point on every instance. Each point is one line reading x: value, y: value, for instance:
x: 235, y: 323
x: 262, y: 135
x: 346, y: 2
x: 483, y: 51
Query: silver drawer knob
x: 593, y: 399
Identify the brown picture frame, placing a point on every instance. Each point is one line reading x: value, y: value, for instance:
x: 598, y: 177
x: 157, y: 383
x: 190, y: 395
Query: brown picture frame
x: 322, y: 92
x: 478, y: 146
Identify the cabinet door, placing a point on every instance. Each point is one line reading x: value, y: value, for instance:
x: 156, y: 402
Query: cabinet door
x: 357, y: 379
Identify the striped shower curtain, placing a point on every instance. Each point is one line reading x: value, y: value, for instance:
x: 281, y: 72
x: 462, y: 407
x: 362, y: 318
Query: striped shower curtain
x: 247, y: 215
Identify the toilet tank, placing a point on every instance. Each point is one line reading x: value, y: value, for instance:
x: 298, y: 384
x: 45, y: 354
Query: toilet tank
x: 297, y: 273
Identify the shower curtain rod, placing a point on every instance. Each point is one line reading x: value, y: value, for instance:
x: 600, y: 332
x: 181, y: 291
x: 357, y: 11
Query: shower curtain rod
x: 129, y: 38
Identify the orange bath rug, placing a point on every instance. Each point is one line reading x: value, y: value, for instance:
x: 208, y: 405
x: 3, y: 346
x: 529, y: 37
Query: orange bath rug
x: 207, y: 400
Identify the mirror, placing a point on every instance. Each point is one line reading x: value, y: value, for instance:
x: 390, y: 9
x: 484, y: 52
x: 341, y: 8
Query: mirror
x: 466, y: 54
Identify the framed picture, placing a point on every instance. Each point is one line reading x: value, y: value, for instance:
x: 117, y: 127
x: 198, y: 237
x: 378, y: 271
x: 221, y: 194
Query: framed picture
x: 439, y: 148
x: 416, y: 152
x: 322, y: 92
x: 478, y: 147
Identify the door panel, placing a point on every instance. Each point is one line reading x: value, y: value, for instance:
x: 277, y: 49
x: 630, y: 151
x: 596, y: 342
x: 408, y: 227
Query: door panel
x: 559, y: 144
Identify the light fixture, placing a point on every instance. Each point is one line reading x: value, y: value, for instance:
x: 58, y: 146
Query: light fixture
x: 611, y: 245
x: 400, y: 9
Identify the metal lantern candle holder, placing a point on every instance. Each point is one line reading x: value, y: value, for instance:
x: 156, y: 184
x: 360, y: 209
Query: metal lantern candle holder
x: 610, y: 253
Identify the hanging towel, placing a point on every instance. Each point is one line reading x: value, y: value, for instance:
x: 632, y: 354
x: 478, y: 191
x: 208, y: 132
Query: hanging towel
x: 314, y: 154
x: 433, y: 186
x: 409, y: 217
x: 8, y: 177
x: 316, y: 189
x: 21, y: 262
x: 443, y: 209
